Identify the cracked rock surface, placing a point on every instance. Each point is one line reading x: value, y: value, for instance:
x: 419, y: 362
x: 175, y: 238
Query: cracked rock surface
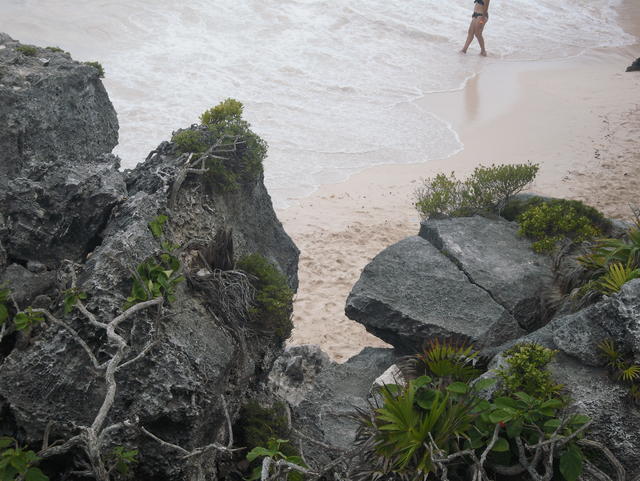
x: 411, y: 292
x: 495, y: 258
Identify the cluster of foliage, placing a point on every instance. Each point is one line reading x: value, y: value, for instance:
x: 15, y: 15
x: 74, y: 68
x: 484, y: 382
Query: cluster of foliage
x: 123, y: 460
x: 488, y: 189
x: 233, y: 153
x: 98, y: 66
x: 17, y: 463
x: 158, y: 276
x: 611, y: 263
x: 548, y: 222
x: 274, y: 299
x: 27, y: 50
x: 526, y: 371
x: 23, y: 320
x: 441, y: 424
x: 622, y: 368
x: 262, y: 426
x: 56, y: 50
x: 275, y: 450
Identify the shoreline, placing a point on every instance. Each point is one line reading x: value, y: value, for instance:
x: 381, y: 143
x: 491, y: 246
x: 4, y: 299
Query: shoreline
x: 573, y: 116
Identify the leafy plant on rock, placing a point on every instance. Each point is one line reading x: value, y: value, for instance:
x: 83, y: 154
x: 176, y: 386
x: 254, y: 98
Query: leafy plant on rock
x: 526, y: 371
x: 274, y: 299
x: 550, y: 222
x: 27, y: 50
x: 223, y: 149
x: 487, y: 190
x: 622, y: 368
x: 442, y: 428
x: 18, y: 464
x: 98, y: 66
x: 276, y: 462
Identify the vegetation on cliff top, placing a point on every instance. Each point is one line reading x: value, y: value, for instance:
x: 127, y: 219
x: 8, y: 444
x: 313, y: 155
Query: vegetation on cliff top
x: 229, y: 152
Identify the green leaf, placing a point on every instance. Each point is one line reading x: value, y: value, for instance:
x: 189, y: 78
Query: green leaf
x: 6, y: 442
x: 259, y: 451
x: 551, y: 425
x: 34, y: 474
x: 514, y: 429
x: 501, y: 445
x: 482, y: 384
x: 422, y: 381
x: 500, y: 415
x: 571, y: 463
x: 505, y: 402
x: 4, y: 313
x: 458, y: 387
x: 579, y: 419
x: 21, y: 321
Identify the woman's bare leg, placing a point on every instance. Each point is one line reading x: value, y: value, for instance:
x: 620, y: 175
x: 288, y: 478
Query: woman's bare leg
x: 478, y: 33
x: 470, y: 35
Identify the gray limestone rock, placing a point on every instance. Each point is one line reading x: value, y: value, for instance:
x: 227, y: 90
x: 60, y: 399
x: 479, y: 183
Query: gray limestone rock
x: 411, y: 292
x: 57, y: 185
x: 616, y: 317
x: 63, y: 199
x: 329, y: 395
x: 495, y: 258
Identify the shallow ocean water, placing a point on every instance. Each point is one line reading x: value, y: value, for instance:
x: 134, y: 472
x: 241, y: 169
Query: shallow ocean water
x: 331, y: 85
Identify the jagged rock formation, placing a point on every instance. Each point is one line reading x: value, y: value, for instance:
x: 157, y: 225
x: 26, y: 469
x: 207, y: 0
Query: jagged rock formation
x: 57, y: 179
x: 63, y: 197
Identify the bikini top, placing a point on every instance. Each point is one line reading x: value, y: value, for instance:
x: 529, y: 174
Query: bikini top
x: 481, y: 2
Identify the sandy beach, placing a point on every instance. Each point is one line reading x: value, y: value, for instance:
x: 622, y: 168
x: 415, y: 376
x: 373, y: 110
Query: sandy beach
x: 579, y: 118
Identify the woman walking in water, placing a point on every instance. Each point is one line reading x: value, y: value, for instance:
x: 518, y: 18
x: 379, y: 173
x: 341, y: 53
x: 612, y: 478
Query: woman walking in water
x: 478, y: 20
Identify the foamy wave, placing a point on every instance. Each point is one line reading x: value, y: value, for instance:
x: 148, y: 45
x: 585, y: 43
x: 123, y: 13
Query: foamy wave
x: 329, y: 85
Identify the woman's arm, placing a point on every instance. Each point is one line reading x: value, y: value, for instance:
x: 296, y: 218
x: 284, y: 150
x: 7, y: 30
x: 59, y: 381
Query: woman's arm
x: 486, y: 8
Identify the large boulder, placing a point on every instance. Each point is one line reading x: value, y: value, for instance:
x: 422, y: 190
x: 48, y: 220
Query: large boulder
x: 57, y: 183
x: 494, y: 257
x: 411, y: 292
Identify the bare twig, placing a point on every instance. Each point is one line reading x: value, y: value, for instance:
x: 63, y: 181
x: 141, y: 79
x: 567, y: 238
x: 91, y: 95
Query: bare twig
x: 621, y: 474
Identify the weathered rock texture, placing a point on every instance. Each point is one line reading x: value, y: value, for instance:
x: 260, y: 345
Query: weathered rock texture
x: 324, y: 395
x: 411, y: 292
x: 58, y: 184
x: 63, y: 198
x: 494, y: 257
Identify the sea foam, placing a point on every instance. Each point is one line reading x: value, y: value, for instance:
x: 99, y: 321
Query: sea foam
x: 331, y: 85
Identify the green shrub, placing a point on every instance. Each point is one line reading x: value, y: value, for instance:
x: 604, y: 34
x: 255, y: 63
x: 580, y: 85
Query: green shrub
x: 235, y: 153
x: 97, y: 66
x: 488, y: 189
x: 448, y: 360
x: 27, y: 50
x: 188, y: 141
x: 274, y: 299
x: 227, y: 111
x: 526, y: 371
x: 57, y: 50
x: 548, y: 223
x: 260, y: 426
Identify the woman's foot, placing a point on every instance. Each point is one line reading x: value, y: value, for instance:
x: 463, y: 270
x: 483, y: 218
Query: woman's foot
x: 463, y: 51
x: 483, y: 53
